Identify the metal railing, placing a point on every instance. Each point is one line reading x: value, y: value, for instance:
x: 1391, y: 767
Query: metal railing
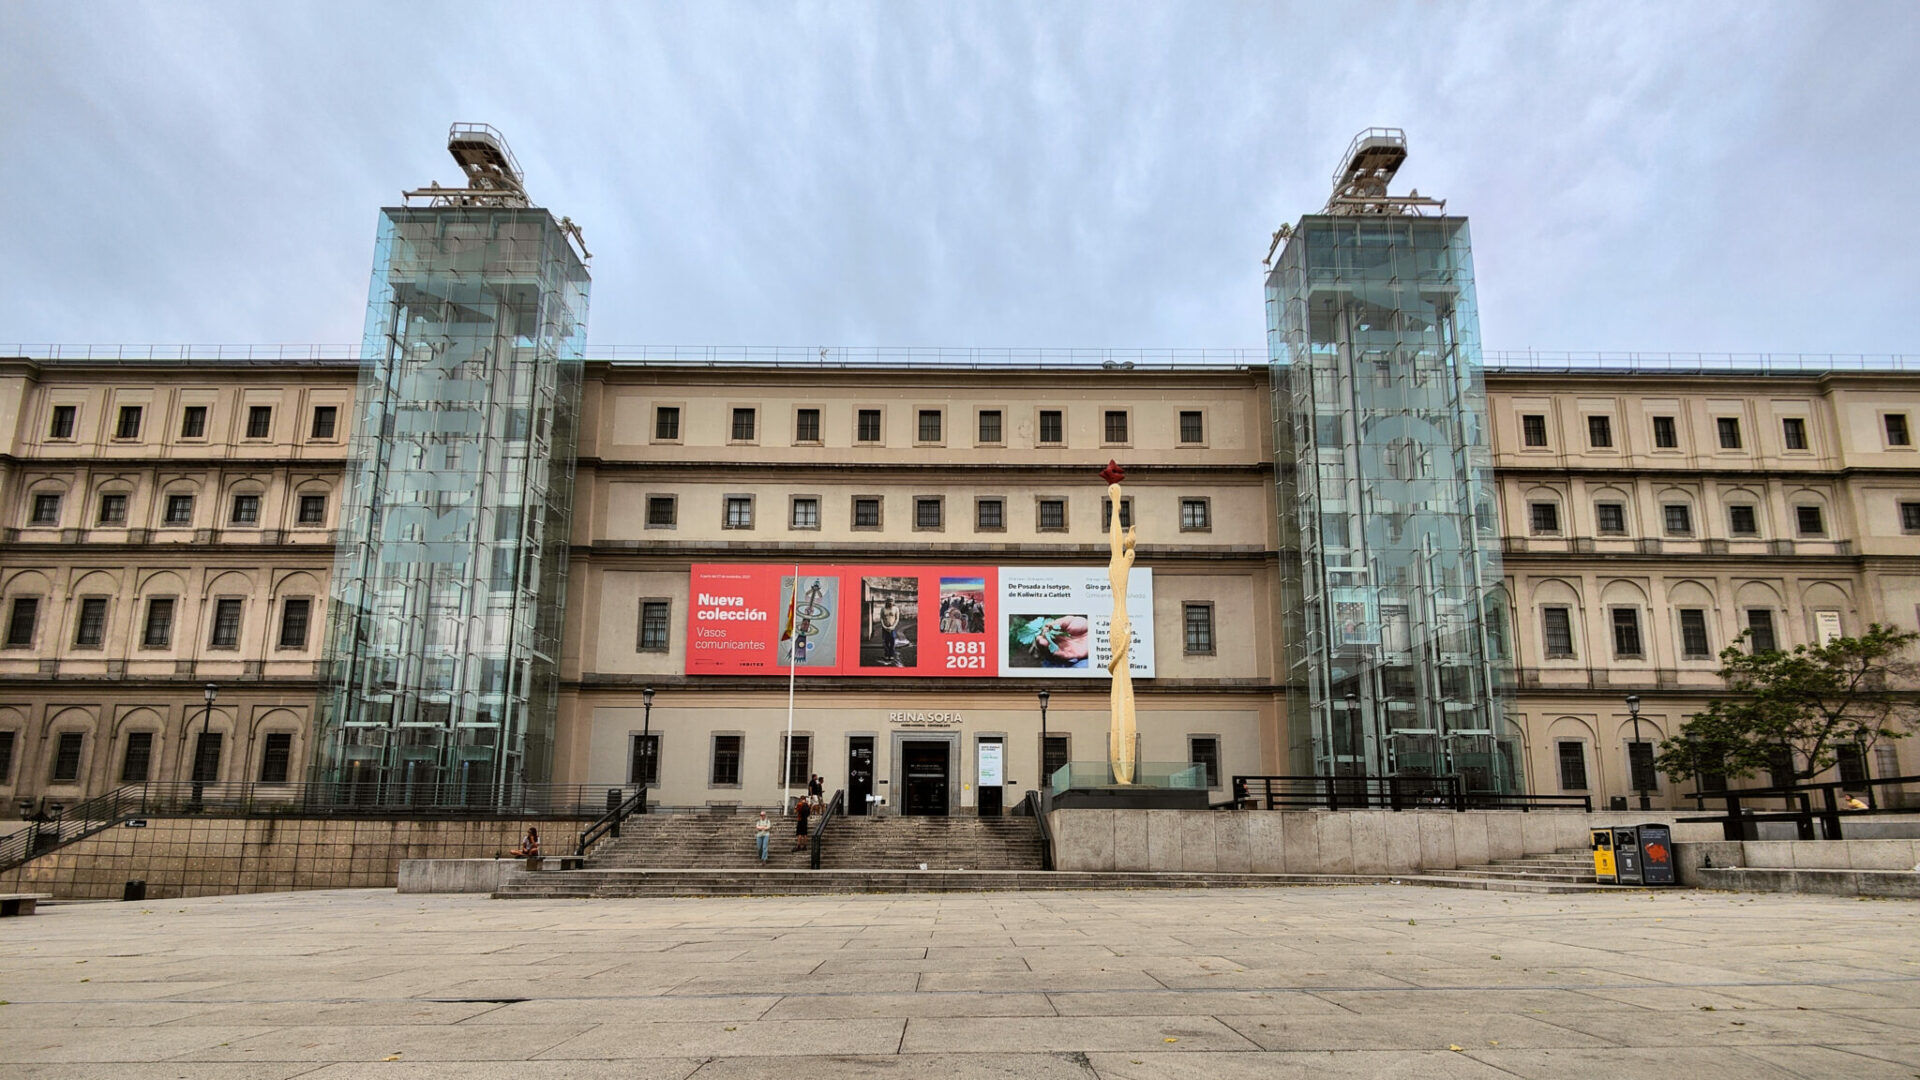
x: 1035, y: 804
x: 71, y: 823
x: 1738, y: 821
x: 1386, y: 793
x: 608, y: 824
x: 835, y: 805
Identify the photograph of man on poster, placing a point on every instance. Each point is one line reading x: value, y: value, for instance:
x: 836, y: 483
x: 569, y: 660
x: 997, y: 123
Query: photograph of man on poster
x: 890, y: 621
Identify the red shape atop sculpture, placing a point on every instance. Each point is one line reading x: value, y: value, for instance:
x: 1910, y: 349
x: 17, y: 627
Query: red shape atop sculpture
x: 1113, y: 473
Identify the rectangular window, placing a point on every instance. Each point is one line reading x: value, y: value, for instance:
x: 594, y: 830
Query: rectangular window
x: 1852, y: 763
x: 743, y: 425
x: 662, y: 511
x: 929, y: 426
x: 1545, y: 517
x: 1665, y: 435
x: 1742, y: 520
x: 1054, y: 754
x: 1126, y: 513
x: 1196, y: 515
x: 1610, y: 518
x: 1193, y: 428
x: 1533, y: 429
x: 129, y: 425
x: 62, y: 426
x: 725, y: 770
x: 1809, y: 520
x: 1205, y: 750
x: 666, y: 423
x: 226, y: 625
x: 66, y: 757
x: 990, y: 428
x: 158, y: 632
x: 206, y: 756
x: 926, y: 512
x: 1053, y: 428
x: 1897, y: 430
x: 6, y: 756
x: 805, y: 513
x: 739, y: 512
x: 313, y: 510
x: 1626, y: 633
x: 1116, y: 426
x: 799, y: 763
x: 46, y: 510
x: 1199, y: 629
x: 1793, y: 430
x: 990, y: 515
x: 138, y: 760
x: 113, y: 509
x: 1557, y: 627
x: 1640, y: 766
x: 866, y: 512
x: 806, y: 426
x: 1729, y: 428
x: 325, y: 419
x: 654, y: 625
x: 259, y: 421
x: 1053, y: 515
x: 295, y: 613
x: 643, y: 760
x: 276, y: 759
x: 1693, y: 634
x: 867, y: 426
x: 1910, y: 517
x: 179, y: 510
x: 1573, y: 766
x: 21, y: 622
x: 246, y: 510
x: 1760, y: 637
x: 1599, y: 431
x: 1679, y: 519
x: 193, y: 422
x: 90, y: 625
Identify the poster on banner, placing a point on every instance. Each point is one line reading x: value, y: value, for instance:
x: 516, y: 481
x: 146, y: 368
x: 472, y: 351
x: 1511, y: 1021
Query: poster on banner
x: 991, y: 760
x: 946, y: 621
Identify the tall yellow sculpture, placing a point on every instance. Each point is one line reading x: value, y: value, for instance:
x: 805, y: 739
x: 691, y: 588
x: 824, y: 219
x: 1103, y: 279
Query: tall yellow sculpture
x: 1120, y: 728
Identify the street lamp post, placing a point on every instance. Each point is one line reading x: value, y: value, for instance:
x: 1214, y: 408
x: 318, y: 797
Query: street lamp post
x: 199, y: 749
x: 1633, y: 708
x: 1045, y: 780
x: 646, y: 737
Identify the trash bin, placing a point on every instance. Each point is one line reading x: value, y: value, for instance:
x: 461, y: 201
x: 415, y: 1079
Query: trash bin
x: 1656, y: 854
x: 1617, y: 802
x: 136, y: 890
x: 1602, y: 842
x: 1626, y: 856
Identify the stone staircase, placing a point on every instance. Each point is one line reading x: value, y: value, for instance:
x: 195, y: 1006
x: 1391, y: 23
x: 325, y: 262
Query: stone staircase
x: 688, y: 841
x: 1559, y: 872
x: 700, y: 841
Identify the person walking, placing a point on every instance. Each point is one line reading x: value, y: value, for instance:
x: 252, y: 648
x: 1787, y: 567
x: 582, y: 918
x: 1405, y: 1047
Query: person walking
x: 762, y: 829
x: 801, y: 808
x: 816, y: 787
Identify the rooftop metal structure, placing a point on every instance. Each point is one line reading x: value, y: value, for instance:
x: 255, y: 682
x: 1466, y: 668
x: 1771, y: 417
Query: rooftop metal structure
x: 1368, y: 166
x: 493, y: 175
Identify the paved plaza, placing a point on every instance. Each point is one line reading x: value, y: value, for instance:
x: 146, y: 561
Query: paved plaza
x: 1319, y: 981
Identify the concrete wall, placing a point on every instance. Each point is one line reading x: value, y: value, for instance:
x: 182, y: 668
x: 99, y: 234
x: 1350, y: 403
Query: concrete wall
x: 220, y: 856
x: 1320, y: 842
x: 455, y: 875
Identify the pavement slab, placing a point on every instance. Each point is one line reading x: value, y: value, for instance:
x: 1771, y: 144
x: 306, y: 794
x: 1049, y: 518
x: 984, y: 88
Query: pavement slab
x: 1348, y: 981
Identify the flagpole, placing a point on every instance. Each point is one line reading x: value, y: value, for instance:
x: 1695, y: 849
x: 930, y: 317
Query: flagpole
x: 793, y: 668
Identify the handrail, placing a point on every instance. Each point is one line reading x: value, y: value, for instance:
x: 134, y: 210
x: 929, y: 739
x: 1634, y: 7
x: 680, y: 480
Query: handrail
x: 1033, y: 804
x: 608, y: 824
x: 1733, y: 823
x: 1385, y: 793
x: 73, y: 823
x: 834, y: 806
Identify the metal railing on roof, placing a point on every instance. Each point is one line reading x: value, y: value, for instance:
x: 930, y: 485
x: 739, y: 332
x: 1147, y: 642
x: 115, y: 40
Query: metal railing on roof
x: 1680, y: 363
x: 914, y: 356
x: 175, y: 354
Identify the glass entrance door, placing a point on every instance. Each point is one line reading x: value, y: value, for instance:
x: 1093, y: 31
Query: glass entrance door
x: 924, y: 765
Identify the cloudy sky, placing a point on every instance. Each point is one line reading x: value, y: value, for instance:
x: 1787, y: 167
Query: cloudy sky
x: 1687, y: 177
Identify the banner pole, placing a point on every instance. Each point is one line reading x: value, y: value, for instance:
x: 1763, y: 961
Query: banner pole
x: 793, y: 668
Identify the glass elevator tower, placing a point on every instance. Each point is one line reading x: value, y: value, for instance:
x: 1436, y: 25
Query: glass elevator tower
x: 1397, y: 653
x: 450, y: 583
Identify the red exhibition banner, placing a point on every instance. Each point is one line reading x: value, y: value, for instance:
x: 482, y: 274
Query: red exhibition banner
x: 762, y: 619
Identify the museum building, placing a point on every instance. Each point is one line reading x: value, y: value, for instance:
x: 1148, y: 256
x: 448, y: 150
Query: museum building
x: 473, y: 554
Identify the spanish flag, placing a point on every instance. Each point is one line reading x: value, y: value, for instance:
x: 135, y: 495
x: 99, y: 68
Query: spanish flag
x: 793, y: 604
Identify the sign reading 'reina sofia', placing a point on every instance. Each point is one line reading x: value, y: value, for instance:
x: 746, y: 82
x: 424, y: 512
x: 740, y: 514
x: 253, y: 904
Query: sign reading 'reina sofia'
x: 950, y: 621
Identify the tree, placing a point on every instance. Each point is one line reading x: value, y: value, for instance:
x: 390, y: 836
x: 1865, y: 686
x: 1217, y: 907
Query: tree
x: 1800, y: 707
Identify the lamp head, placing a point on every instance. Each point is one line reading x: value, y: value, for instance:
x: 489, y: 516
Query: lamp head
x: 213, y: 691
x: 1044, y: 695
x: 1633, y: 704
x: 646, y: 696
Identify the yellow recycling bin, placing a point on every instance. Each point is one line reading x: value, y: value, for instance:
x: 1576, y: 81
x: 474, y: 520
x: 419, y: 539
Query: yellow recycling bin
x: 1603, y: 866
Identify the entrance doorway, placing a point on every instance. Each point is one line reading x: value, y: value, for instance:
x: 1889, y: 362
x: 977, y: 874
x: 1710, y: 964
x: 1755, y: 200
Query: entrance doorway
x: 924, y: 767
x: 859, y: 773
